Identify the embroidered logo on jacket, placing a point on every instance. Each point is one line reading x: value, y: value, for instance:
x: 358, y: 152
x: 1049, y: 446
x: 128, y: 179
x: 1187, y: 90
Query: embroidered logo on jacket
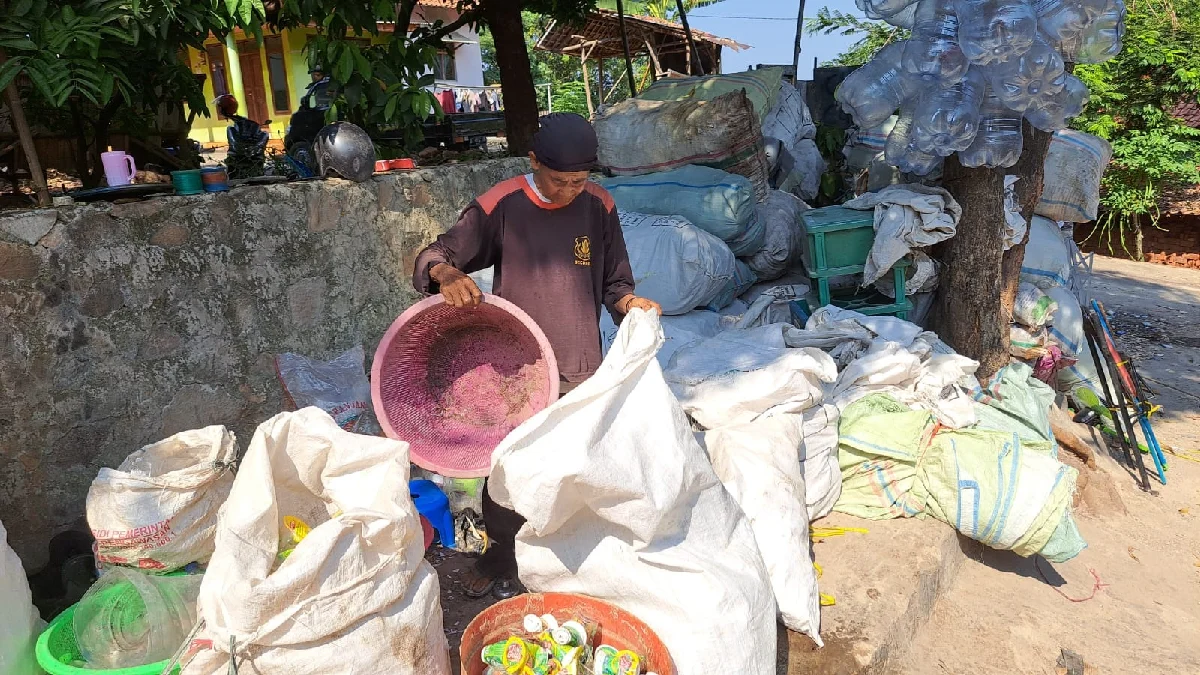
x: 583, y: 251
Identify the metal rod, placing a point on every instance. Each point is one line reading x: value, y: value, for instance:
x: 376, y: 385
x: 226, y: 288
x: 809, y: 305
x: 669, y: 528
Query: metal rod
x: 625, y: 46
x: 697, y: 66
x: 796, y: 46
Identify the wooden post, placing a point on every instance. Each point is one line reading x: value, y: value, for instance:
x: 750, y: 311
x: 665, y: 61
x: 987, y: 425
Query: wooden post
x: 657, y: 67
x: 693, y: 54
x: 21, y: 125
x: 587, y: 87
x: 600, y: 82
x: 625, y: 47
x: 796, y: 46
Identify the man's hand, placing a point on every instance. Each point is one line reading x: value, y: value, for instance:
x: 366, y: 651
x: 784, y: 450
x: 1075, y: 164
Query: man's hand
x: 458, y: 288
x: 634, y: 302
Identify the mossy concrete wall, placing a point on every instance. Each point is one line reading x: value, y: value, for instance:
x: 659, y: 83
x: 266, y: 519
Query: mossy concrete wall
x: 123, y: 324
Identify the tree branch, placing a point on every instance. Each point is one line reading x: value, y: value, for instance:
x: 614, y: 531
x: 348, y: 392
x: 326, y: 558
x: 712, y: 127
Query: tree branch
x: 468, y: 17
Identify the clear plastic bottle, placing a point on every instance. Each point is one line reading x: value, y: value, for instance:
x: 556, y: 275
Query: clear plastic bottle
x: 994, y: 31
x: 932, y: 53
x: 882, y: 9
x: 945, y: 120
x: 1102, y: 39
x: 998, y: 142
x: 873, y: 92
x: 900, y: 152
x: 1062, y: 21
x: 1052, y: 113
x: 1036, y: 74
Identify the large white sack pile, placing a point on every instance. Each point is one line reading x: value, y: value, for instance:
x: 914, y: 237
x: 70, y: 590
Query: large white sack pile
x: 622, y: 504
x: 355, y: 595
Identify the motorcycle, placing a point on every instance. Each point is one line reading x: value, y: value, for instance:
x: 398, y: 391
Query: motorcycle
x: 305, y: 124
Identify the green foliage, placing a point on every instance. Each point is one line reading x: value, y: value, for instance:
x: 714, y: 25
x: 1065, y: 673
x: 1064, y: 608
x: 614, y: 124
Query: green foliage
x: 875, y: 35
x: 378, y: 86
x: 659, y: 9
x: 1131, y: 99
x: 563, y: 73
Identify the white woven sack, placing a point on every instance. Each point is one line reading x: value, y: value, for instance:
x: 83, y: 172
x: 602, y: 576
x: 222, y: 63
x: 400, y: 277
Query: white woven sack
x: 758, y: 464
x: 158, y: 509
x: 1074, y: 165
x: 622, y: 504
x: 674, y: 263
x: 356, y: 595
x: 19, y: 620
x: 739, y: 375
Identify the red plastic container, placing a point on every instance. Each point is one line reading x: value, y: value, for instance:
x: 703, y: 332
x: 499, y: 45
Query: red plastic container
x: 402, y: 164
x: 452, y: 383
x: 381, y: 165
x: 617, y: 628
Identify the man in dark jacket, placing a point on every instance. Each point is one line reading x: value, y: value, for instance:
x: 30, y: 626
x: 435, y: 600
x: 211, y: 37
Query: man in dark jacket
x: 555, y: 243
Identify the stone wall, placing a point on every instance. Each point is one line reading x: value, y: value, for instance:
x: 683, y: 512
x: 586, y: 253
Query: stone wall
x: 123, y: 324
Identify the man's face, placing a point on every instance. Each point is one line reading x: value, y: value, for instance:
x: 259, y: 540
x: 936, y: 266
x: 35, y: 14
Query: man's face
x: 317, y: 75
x: 560, y: 187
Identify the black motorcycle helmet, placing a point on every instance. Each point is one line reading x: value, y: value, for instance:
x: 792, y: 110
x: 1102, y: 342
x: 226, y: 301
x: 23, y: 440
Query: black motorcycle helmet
x: 346, y: 150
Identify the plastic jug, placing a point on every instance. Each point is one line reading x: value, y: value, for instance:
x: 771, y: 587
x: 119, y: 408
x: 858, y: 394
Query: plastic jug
x: 119, y: 168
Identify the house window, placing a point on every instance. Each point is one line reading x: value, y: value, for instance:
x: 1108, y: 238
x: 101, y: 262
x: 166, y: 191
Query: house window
x: 443, y: 65
x: 216, y: 69
x: 277, y: 74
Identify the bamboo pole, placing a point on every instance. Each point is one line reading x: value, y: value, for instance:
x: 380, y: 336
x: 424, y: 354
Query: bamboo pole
x: 625, y: 47
x: 693, y: 53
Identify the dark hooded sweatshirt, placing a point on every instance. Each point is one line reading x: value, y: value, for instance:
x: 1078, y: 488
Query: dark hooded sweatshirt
x: 557, y: 263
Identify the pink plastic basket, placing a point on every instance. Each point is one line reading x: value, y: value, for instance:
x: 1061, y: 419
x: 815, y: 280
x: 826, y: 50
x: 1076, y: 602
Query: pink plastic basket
x: 452, y: 383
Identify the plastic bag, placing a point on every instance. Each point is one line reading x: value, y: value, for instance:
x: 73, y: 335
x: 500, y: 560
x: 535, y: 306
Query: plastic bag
x: 339, y: 387
x: 757, y: 463
x: 355, y: 595
x: 19, y: 620
x: 622, y: 504
x: 158, y: 509
x: 129, y: 619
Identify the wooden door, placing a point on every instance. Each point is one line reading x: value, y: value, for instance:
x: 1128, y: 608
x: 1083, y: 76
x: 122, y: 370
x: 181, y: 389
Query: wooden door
x: 255, y: 106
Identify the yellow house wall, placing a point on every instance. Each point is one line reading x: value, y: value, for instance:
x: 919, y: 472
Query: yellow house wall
x: 209, y: 130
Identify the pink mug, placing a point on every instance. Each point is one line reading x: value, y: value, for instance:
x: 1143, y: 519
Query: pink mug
x: 119, y: 168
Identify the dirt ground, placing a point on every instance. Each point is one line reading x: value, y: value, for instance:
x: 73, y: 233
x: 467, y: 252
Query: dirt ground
x: 1130, y: 603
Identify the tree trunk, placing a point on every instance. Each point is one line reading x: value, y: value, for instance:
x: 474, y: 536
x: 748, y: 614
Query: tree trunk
x: 968, y: 313
x: 516, y: 77
x: 1139, y: 253
x: 1031, y: 169
x: 21, y: 126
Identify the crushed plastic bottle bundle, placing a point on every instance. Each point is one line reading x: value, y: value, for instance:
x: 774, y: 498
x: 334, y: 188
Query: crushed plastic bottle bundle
x: 973, y: 70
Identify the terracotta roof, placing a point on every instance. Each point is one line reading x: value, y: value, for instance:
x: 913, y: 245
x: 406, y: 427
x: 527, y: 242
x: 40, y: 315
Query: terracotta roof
x: 1189, y: 112
x: 602, y: 29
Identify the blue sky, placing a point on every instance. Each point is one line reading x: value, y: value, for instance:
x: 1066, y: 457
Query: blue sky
x: 769, y: 27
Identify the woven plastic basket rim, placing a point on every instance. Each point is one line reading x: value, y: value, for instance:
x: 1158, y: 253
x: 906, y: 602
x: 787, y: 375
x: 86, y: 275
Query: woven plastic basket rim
x: 403, y: 320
